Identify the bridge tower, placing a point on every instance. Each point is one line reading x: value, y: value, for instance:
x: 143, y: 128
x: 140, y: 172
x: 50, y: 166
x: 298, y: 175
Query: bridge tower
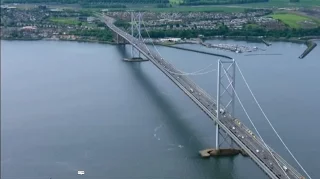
x: 136, y: 32
x: 225, y: 106
x: 225, y: 97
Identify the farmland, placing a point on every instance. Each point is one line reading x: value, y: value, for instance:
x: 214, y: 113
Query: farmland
x: 196, y: 9
x: 175, y: 1
x: 284, y: 3
x: 69, y: 21
x: 294, y: 20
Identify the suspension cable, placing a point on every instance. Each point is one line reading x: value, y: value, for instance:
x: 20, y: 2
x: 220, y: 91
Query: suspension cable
x: 252, y: 122
x: 270, y: 121
x: 182, y: 72
x: 168, y: 64
x: 154, y: 46
x: 191, y: 74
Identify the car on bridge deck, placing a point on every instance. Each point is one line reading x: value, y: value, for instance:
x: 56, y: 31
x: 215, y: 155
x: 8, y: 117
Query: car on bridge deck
x: 222, y: 111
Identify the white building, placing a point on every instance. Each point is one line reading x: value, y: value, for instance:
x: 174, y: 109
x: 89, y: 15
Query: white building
x: 170, y: 39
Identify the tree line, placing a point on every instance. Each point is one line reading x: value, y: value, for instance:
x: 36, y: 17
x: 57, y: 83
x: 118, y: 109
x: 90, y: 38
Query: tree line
x: 86, y: 2
x: 106, y: 35
x: 101, y: 35
x: 219, y: 2
x: 100, y: 5
x: 225, y: 31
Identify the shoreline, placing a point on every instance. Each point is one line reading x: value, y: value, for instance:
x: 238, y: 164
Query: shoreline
x: 263, y: 40
x: 52, y: 39
x: 302, y: 40
x: 310, y: 44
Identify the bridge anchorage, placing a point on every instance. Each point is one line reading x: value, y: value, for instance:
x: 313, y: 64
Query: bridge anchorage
x: 136, y: 32
x: 225, y: 103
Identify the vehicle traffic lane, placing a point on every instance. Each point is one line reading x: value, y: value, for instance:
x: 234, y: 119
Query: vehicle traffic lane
x: 291, y: 172
x: 263, y: 153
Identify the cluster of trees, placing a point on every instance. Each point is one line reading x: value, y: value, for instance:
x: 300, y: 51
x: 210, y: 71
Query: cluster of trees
x: 16, y: 34
x: 106, y: 35
x: 101, y: 35
x: 41, y: 1
x: 102, y: 5
x: 86, y: 2
x: 164, y: 5
x: 119, y: 3
x: 267, y: 11
x: 225, y: 31
x: 122, y: 23
x: 128, y: 1
x: 217, y: 2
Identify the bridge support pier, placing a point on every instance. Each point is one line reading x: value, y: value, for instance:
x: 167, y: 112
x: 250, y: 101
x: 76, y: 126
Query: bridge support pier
x: 118, y: 39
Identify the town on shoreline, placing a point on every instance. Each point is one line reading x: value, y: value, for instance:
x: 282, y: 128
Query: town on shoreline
x: 261, y: 25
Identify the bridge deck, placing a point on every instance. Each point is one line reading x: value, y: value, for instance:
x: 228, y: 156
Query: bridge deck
x: 233, y: 127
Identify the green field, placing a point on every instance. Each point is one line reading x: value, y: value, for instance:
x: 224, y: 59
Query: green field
x: 271, y: 3
x: 199, y: 9
x: 175, y: 1
x: 70, y: 21
x: 229, y: 8
x: 291, y: 20
x: 183, y: 9
x: 285, y: 3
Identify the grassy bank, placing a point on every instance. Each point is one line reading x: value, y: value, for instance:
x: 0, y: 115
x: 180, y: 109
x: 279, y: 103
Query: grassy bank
x: 292, y: 20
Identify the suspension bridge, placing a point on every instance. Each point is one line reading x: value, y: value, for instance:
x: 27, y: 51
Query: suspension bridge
x: 228, y: 128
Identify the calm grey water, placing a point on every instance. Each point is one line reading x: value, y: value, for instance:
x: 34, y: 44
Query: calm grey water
x: 69, y: 106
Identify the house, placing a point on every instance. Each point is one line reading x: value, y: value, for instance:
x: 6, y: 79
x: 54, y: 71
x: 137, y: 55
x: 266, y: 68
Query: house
x: 90, y: 19
x: 82, y: 18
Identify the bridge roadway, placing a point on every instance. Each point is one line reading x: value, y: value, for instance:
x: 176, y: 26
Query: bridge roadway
x: 239, y: 133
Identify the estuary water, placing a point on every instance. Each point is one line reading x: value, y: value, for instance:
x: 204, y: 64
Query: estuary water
x: 68, y: 106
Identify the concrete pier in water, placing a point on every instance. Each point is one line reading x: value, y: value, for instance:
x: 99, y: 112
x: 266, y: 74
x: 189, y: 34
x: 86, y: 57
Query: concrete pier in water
x: 139, y: 59
x: 221, y: 152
